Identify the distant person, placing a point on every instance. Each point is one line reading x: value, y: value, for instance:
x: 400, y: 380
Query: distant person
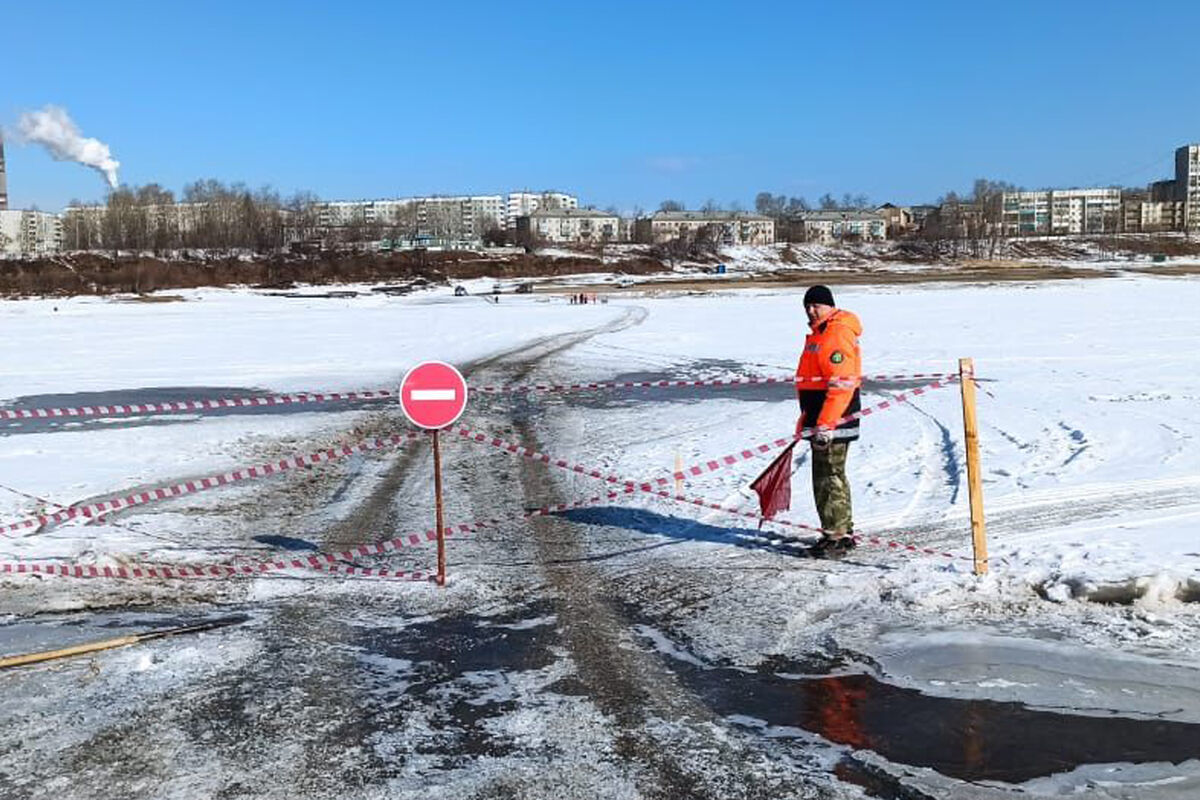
x: 827, y: 385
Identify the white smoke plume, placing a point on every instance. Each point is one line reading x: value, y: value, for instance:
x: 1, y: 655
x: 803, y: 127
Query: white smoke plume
x: 53, y: 128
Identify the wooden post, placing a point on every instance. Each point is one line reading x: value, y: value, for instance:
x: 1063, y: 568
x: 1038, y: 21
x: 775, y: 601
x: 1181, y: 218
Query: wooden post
x: 441, y: 528
x: 966, y: 374
x: 678, y: 469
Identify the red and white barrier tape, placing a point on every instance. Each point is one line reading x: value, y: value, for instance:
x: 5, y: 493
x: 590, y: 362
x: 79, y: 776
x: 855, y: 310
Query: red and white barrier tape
x: 669, y: 384
x: 148, y: 409
x: 713, y: 465
x: 68, y: 570
x: 193, y: 405
x: 329, y: 562
x: 201, y: 484
x: 648, y: 487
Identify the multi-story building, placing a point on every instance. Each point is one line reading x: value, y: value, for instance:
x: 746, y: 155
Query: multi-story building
x: 1161, y: 191
x: 337, y: 213
x: 29, y: 233
x: 826, y: 227
x: 1171, y: 205
x: 1085, y: 211
x: 454, y: 217
x: 1131, y: 210
x: 523, y: 204
x: 467, y: 218
x: 569, y: 225
x: 1061, y: 211
x: 1167, y: 215
x: 3, y: 179
x: 1026, y: 213
x: 725, y: 227
x: 921, y: 214
x: 898, y: 218
x: 1187, y: 184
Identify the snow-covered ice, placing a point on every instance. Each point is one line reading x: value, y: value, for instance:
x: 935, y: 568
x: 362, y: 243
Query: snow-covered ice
x: 1088, y: 413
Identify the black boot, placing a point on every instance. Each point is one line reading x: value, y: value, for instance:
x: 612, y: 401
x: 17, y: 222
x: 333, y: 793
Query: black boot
x: 833, y: 546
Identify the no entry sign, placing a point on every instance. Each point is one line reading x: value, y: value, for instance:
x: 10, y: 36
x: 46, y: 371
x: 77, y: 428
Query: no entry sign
x: 433, y: 394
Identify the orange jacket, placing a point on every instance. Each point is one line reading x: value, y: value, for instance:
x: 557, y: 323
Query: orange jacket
x: 830, y: 372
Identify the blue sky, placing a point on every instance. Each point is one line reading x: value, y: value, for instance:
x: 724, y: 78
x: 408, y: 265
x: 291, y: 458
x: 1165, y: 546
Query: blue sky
x: 625, y: 104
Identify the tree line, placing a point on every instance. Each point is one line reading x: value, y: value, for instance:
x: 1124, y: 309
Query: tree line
x: 210, y: 215
x: 207, y: 215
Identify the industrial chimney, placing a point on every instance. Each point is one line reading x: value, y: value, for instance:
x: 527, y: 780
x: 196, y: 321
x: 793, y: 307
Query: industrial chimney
x: 3, y: 179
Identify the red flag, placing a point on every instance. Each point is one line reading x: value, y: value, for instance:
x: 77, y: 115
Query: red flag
x: 774, y: 485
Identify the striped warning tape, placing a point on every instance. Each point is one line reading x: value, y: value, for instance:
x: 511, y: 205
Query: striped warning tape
x: 138, y: 498
x: 149, y: 409
x: 712, y: 465
x: 649, y: 488
x: 193, y: 405
x: 333, y: 562
x: 680, y: 384
x: 70, y: 570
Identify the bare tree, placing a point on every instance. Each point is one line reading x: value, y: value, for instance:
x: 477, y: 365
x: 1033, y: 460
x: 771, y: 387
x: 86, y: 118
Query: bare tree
x: 827, y: 202
x: 670, y: 205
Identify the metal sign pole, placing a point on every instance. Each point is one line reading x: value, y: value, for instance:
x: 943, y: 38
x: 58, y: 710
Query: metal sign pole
x: 441, y: 528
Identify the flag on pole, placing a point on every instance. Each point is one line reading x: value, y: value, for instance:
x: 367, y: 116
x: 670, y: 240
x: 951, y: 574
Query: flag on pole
x: 774, y: 485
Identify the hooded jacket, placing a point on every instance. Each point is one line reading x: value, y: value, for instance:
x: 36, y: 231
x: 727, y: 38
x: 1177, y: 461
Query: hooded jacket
x: 829, y: 375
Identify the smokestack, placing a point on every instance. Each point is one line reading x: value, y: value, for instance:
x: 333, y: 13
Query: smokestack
x: 3, y: 179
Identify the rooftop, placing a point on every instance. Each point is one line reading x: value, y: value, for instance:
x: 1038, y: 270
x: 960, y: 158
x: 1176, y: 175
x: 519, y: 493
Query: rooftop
x: 839, y: 215
x: 711, y: 216
x: 590, y: 213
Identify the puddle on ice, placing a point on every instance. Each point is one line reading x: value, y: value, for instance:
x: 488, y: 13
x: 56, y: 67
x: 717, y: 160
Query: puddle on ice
x: 969, y: 739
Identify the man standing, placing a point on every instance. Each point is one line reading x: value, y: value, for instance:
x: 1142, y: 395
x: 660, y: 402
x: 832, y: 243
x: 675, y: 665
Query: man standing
x: 827, y: 385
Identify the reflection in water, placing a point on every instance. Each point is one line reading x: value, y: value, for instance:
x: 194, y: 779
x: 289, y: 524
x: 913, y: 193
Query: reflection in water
x: 965, y: 739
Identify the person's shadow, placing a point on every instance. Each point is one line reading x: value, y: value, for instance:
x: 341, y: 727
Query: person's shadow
x: 682, y: 529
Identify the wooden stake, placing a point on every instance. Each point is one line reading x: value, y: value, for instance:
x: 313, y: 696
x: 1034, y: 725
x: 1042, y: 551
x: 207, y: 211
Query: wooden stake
x: 108, y: 644
x: 678, y: 469
x: 441, y: 528
x: 966, y: 373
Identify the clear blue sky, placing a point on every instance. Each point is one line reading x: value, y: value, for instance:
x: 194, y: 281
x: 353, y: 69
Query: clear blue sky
x: 622, y: 103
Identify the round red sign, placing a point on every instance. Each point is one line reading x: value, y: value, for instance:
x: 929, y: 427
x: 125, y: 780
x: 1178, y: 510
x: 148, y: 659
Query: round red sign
x: 433, y: 394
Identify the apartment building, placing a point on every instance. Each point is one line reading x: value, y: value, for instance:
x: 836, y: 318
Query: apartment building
x: 462, y: 217
x: 1168, y: 205
x: 899, y: 219
x: 3, y: 179
x: 1085, y: 211
x: 29, y: 233
x: 1061, y: 211
x: 1026, y: 213
x: 827, y: 227
x: 336, y: 213
x: 1167, y: 215
x: 921, y: 214
x: 569, y: 225
x: 1187, y: 185
x: 726, y: 227
x: 523, y: 204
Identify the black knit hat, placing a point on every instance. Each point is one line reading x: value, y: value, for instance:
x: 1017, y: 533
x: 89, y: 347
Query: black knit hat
x: 819, y: 294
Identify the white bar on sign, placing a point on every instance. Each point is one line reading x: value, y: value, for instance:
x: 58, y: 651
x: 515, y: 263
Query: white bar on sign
x: 433, y: 394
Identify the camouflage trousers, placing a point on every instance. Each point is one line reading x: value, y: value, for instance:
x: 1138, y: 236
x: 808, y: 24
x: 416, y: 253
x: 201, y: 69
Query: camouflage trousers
x: 831, y: 490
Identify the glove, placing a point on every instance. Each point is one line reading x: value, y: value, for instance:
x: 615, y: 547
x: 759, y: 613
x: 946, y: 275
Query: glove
x: 822, y: 438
